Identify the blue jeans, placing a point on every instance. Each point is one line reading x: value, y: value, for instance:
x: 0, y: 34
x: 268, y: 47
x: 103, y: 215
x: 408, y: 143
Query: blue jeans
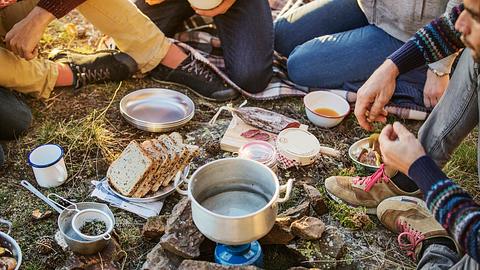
x: 245, y: 30
x: 330, y: 44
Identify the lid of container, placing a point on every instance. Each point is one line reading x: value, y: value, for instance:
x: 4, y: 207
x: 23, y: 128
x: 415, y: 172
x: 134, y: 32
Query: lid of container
x: 260, y: 151
x: 298, y: 142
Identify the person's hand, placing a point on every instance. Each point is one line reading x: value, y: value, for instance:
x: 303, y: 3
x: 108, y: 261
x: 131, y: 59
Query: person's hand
x: 434, y: 88
x: 24, y: 36
x: 374, y: 94
x: 6, y: 3
x: 399, y: 147
x: 219, y: 10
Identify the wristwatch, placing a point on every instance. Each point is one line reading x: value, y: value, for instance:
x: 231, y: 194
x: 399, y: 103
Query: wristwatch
x: 438, y: 73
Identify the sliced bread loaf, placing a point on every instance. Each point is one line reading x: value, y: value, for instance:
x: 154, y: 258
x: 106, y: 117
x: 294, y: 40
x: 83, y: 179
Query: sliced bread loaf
x: 157, y: 157
x: 127, y: 172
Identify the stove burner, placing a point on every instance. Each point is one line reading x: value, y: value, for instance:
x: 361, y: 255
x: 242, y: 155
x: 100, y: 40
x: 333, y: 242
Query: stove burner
x: 247, y: 254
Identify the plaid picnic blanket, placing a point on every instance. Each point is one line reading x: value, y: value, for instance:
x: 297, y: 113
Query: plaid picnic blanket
x: 199, y: 37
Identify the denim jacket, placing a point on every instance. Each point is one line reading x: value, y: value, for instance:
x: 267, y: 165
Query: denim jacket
x: 402, y: 18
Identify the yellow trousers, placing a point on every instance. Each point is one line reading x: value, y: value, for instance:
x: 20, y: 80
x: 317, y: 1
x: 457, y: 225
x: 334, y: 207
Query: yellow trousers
x: 132, y: 31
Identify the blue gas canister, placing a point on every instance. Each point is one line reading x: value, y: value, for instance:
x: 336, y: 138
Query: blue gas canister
x: 248, y: 254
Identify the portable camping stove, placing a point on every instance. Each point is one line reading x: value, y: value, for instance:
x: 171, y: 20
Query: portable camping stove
x: 247, y: 254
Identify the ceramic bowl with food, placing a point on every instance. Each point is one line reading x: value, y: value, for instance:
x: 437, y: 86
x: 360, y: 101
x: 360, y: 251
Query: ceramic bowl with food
x: 325, y: 109
x: 357, y: 149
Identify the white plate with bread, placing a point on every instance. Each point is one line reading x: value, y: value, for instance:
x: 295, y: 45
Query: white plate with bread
x: 150, y: 170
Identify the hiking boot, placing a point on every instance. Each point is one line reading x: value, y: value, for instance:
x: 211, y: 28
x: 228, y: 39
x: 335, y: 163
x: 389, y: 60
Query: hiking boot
x: 411, y: 219
x: 102, y: 66
x: 366, y: 191
x: 197, y: 76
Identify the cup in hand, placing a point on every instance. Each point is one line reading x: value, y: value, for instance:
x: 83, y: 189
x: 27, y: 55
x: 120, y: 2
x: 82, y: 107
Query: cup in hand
x: 48, y: 165
x: 205, y: 4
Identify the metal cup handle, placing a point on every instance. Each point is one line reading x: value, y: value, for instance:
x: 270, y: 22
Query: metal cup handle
x: 8, y: 223
x: 288, y: 189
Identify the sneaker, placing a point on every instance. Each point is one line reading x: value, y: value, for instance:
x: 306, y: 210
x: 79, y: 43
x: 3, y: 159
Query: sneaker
x: 102, y: 66
x: 410, y: 218
x: 197, y: 76
x: 366, y: 191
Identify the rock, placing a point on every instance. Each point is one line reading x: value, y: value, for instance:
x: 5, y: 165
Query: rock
x: 154, y: 228
x: 297, y: 212
x: 322, y: 253
x: 299, y: 268
x: 181, y: 235
x: 316, y: 199
x: 280, y: 234
x: 106, y: 260
x: 202, y: 265
x: 158, y: 258
x: 308, y: 228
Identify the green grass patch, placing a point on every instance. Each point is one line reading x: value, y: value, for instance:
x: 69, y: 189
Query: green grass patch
x: 462, y: 166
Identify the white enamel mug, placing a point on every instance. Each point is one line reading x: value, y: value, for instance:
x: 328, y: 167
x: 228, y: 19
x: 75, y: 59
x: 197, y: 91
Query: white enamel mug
x: 48, y: 165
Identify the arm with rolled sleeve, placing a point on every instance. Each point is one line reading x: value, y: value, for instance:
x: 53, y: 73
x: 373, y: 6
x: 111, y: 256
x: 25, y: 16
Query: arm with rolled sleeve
x: 451, y: 206
x: 432, y: 43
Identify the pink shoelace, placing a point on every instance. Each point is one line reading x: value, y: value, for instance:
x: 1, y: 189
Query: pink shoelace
x: 412, y: 238
x: 369, y: 181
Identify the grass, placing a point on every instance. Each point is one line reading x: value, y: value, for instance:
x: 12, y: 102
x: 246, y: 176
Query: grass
x: 462, y: 166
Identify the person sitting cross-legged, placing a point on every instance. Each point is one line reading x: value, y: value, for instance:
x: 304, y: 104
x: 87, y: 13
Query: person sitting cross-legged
x: 413, y: 165
x: 142, y: 48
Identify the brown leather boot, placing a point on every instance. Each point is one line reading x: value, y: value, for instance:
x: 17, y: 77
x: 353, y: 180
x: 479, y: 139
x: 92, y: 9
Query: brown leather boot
x: 366, y: 191
x: 410, y: 218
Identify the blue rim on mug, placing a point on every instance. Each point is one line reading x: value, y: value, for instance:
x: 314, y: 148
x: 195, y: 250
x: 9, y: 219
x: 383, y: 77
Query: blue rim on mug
x: 49, y: 164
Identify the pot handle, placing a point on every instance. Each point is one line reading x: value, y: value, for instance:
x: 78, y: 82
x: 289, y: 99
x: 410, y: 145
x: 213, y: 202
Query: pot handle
x: 182, y: 179
x: 8, y: 223
x: 288, y: 189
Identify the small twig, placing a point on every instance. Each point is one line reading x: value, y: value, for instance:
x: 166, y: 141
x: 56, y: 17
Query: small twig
x: 101, y: 260
x: 124, y: 259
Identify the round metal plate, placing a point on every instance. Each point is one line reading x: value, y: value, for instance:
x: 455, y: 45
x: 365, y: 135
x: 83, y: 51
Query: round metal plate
x: 157, y: 109
x: 160, y: 194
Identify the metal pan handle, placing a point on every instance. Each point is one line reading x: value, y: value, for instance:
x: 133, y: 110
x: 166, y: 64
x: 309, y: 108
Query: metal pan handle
x: 48, y: 201
x: 8, y: 223
x: 62, y: 199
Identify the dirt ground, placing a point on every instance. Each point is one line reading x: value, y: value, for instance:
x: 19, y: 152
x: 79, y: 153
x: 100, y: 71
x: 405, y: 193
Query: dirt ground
x: 89, y: 126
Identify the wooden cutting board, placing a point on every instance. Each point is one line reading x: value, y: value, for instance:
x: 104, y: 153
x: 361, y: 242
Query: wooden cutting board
x: 232, y: 140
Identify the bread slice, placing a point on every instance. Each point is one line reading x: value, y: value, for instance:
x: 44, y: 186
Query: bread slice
x: 166, y: 156
x: 157, y: 157
x: 193, y: 152
x: 182, y: 152
x: 176, y: 152
x: 128, y: 171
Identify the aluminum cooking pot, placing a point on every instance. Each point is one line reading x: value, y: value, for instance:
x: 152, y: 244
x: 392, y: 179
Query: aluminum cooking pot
x: 10, y: 243
x: 235, y: 200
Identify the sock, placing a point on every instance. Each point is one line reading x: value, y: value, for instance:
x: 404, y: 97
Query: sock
x: 437, y: 241
x: 404, y: 182
x: 65, y: 75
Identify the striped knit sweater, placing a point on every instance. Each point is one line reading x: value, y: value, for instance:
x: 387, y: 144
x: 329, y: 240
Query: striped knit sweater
x: 450, y: 204
x: 59, y: 8
x: 431, y: 43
